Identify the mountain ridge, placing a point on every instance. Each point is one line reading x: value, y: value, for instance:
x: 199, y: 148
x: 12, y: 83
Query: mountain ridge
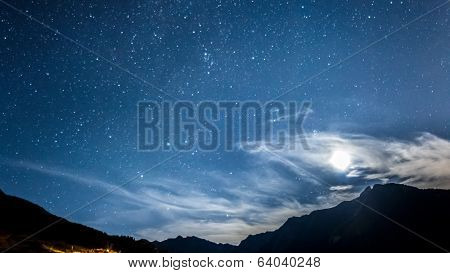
x: 347, y: 226
x: 20, y: 219
x: 193, y: 244
x: 384, y: 218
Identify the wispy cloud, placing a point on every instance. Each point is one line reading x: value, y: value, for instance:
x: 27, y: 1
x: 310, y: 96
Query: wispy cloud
x: 272, y: 186
x: 421, y: 162
x: 228, y: 210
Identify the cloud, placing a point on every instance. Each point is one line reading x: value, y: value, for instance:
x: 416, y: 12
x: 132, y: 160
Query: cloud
x: 271, y: 186
x: 341, y: 188
x: 421, y: 162
x: 229, y: 229
x: 227, y: 208
x: 73, y: 176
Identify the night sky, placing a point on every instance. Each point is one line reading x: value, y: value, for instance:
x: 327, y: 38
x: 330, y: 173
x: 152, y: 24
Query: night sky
x: 68, y: 112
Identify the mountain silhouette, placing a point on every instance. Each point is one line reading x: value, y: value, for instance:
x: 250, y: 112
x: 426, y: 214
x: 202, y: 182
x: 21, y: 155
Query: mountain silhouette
x: 194, y: 245
x: 19, y: 219
x: 384, y: 218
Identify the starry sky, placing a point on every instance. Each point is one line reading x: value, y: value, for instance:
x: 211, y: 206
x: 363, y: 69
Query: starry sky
x: 68, y: 106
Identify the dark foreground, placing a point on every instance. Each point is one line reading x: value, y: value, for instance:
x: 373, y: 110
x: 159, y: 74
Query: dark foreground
x: 385, y: 218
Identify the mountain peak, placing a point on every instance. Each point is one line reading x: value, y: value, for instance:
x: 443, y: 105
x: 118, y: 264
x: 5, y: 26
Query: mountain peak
x: 348, y: 227
x: 382, y: 189
x: 19, y: 218
x: 192, y: 244
x: 365, y: 224
x: 366, y: 191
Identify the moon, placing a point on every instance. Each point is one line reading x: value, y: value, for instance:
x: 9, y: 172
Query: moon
x: 340, y: 160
